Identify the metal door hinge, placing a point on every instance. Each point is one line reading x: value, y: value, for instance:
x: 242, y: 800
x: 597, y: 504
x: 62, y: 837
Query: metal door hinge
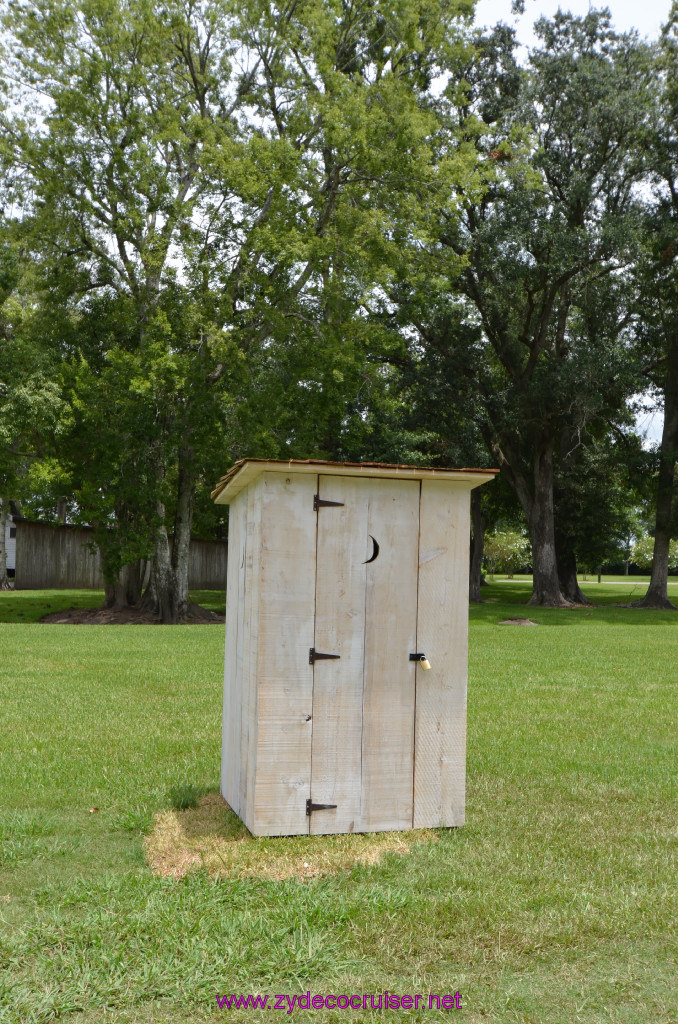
x: 314, y: 656
x: 319, y: 502
x: 310, y: 807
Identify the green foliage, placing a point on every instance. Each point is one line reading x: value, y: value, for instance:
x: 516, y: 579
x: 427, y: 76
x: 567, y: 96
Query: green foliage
x: 210, y: 193
x: 656, y: 281
x: 597, y: 492
x: 506, y: 551
x: 533, y: 336
x: 244, y: 229
x: 30, y: 400
x: 643, y: 549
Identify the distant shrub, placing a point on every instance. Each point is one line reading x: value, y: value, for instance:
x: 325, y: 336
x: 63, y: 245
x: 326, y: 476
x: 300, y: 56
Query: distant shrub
x: 506, y: 551
x: 643, y: 549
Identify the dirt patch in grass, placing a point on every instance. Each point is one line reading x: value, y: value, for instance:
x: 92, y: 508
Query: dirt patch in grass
x: 211, y: 836
x: 124, y: 617
x: 518, y: 622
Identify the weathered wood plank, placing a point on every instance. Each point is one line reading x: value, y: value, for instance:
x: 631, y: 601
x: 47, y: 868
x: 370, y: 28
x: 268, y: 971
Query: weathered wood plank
x: 442, y: 632
x: 232, y: 714
x: 339, y: 629
x: 250, y: 612
x: 285, y: 634
x: 390, y: 637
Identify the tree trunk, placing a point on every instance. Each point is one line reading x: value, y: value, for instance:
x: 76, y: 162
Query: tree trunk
x: 545, y: 583
x: 183, y: 520
x: 134, y: 583
x: 657, y: 595
x: 4, y: 578
x: 477, y: 541
x: 126, y: 591
x: 160, y: 595
x: 124, y: 584
x: 567, y: 573
x: 536, y: 500
x: 167, y: 591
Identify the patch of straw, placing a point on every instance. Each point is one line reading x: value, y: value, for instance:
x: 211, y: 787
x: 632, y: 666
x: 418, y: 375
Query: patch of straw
x: 212, y: 837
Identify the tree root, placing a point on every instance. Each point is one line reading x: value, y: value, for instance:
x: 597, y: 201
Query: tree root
x: 657, y: 604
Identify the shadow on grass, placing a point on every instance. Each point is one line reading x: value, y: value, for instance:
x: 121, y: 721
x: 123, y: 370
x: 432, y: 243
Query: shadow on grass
x: 24, y: 606
x: 30, y: 605
x: 502, y: 599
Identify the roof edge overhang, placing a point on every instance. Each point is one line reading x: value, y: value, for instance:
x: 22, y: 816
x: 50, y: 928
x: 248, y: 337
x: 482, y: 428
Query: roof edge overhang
x: 244, y: 471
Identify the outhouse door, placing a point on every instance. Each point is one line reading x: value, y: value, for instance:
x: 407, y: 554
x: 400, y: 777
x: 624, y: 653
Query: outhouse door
x: 362, y: 746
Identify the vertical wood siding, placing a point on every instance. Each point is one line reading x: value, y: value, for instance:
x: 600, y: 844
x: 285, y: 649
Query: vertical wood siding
x: 285, y: 598
x: 232, y: 716
x: 442, y: 635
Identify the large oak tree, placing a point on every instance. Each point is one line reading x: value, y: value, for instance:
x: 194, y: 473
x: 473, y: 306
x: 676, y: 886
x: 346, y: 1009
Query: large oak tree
x: 220, y: 172
x: 557, y: 218
x: 657, y: 300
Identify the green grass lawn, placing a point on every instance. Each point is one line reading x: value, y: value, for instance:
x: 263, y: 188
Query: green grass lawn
x: 556, y: 903
x: 31, y: 605
x: 591, y: 579
x: 612, y: 590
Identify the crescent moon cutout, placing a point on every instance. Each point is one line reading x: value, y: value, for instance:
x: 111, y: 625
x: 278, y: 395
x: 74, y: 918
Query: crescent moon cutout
x: 374, y: 553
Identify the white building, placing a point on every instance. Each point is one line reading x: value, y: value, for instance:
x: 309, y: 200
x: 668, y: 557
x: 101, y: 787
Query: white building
x: 10, y: 538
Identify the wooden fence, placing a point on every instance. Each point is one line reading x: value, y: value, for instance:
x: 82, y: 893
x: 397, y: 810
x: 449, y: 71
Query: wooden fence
x: 52, y: 557
x: 207, y: 564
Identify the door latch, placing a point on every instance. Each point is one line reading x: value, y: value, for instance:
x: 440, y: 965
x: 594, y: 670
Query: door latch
x: 422, y: 659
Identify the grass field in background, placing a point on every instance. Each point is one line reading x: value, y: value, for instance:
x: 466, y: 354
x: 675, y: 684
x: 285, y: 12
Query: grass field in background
x: 591, y: 579
x: 31, y: 605
x: 555, y: 903
x: 612, y: 590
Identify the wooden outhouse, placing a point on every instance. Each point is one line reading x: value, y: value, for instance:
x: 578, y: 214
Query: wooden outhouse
x: 345, y: 581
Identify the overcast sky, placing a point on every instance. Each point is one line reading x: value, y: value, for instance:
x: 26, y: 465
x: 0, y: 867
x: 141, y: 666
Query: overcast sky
x: 646, y: 16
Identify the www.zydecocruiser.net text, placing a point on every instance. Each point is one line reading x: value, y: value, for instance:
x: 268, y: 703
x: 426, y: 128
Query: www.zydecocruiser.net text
x: 373, y: 1001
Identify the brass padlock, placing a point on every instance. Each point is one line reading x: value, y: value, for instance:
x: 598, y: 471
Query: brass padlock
x: 425, y: 663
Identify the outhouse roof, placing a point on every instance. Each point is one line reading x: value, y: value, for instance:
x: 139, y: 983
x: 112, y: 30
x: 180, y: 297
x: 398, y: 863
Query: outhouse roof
x: 244, y: 471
